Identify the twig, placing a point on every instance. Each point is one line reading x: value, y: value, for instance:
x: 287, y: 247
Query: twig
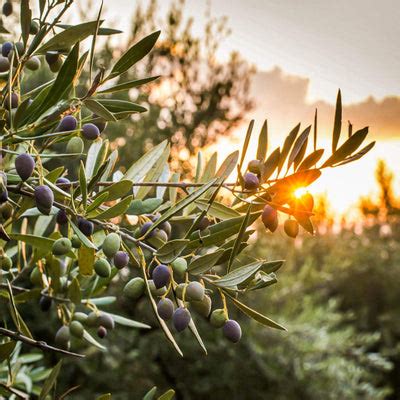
x: 35, y: 343
x: 18, y: 393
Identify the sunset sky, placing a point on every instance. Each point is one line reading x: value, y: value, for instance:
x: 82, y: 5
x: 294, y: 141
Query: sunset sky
x: 304, y: 51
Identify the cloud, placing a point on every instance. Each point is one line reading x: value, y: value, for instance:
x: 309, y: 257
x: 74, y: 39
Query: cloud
x: 282, y: 99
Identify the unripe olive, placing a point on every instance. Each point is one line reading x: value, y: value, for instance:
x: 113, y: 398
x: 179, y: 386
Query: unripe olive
x: 5, y: 262
x: 61, y: 247
x: 33, y: 63
x: 161, y: 276
x: 111, y: 244
x: 36, y: 277
x: 90, y: 131
x: 181, y: 318
x: 52, y: 57
x: 6, y: 211
x: 67, y: 124
x: 76, y: 242
x: 76, y: 329
x: 7, y: 8
x: 218, y: 318
x: 232, y: 330
x: 44, y: 199
x: 251, y: 181
x: 202, y: 307
x: 6, y: 48
x: 194, y: 291
x: 24, y: 164
x: 91, y: 319
x: 179, y: 290
x: 106, y: 320
x: 56, y: 66
x: 62, y: 337
x: 20, y: 48
x: 179, y: 267
x: 4, y: 64
x: 162, y: 235
x: 102, y: 268
x: 80, y: 316
x: 45, y: 303
x: 307, y: 201
x: 34, y: 28
x: 269, y: 218
x: 255, y: 166
x: 134, y: 288
x: 291, y: 228
x: 166, y: 227
x: 155, y: 291
x: 101, y: 332
x: 165, y: 309
x: 203, y: 224
x: 75, y: 145
x: 121, y: 259
x: 85, y: 226
x: 145, y: 227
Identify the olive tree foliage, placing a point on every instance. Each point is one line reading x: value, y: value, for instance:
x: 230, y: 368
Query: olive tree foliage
x: 195, y: 99
x: 65, y: 241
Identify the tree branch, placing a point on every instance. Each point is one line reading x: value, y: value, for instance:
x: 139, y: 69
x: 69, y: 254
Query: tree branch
x: 35, y: 343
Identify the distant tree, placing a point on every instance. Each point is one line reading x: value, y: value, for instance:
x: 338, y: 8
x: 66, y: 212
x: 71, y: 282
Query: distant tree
x: 196, y: 99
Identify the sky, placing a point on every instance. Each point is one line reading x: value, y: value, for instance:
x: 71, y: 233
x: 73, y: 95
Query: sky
x: 304, y: 51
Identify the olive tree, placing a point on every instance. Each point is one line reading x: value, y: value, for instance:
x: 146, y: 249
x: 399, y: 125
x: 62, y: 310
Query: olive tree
x: 67, y: 235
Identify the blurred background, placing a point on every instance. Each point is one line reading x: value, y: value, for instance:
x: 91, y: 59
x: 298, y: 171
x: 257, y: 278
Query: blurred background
x: 221, y: 64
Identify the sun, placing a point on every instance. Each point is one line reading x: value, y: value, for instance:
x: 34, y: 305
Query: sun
x: 300, y: 192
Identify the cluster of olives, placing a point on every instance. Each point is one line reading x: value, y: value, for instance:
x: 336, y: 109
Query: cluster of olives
x: 25, y: 164
x: 192, y: 295
x: 251, y: 182
x: 10, y: 51
x: 76, y: 327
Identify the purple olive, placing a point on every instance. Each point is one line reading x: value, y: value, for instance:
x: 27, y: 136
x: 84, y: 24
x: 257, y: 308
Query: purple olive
x: 24, y: 164
x: 4, y: 64
x: 145, y: 227
x: 195, y: 291
x: 106, y: 320
x: 90, y: 131
x: 7, y: 8
x: 62, y: 218
x: 161, y: 276
x: 6, y: 48
x: 232, y: 330
x: 67, y: 124
x: 85, y: 226
x: 181, y: 318
x: 45, y: 303
x: 65, y: 183
x: 14, y: 100
x: 44, y: 199
x: 52, y: 57
x: 203, y: 224
x: 165, y: 309
x: 121, y: 259
x: 101, y: 332
x: 269, y: 218
x: 251, y: 181
x: 3, y: 196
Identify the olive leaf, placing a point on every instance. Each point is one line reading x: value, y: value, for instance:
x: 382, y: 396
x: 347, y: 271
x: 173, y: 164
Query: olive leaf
x: 134, y: 54
x: 50, y: 381
x: 337, y: 125
x: 201, y: 264
x: 262, y: 147
x: 67, y: 38
x: 128, y: 85
x: 171, y: 250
